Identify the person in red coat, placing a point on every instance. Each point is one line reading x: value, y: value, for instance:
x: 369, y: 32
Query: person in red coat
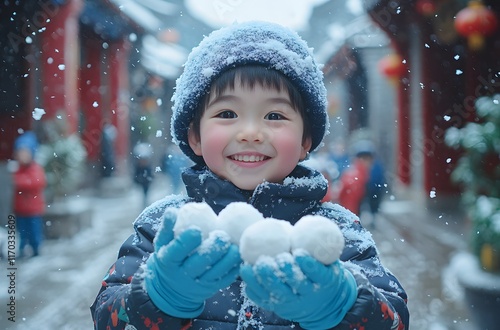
x: 351, y: 189
x: 29, y: 202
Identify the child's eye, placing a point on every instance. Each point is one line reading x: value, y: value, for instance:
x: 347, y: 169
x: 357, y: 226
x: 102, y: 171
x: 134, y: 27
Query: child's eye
x: 274, y: 116
x: 226, y: 114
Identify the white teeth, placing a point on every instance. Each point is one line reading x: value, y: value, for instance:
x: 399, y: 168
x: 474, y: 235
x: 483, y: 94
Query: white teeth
x: 247, y: 158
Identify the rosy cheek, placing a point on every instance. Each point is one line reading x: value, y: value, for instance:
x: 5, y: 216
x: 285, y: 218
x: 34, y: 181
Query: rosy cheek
x: 214, y: 139
x: 213, y: 143
x: 288, y: 144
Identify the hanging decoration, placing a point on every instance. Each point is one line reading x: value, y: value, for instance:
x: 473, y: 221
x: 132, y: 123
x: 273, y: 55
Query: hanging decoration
x: 393, y: 67
x: 426, y: 8
x: 476, y: 22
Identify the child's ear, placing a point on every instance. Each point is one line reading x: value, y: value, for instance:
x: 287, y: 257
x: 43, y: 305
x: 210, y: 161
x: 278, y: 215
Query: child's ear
x: 194, y: 141
x: 306, y: 147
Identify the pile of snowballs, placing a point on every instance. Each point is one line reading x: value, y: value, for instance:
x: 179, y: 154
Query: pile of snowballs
x: 258, y: 236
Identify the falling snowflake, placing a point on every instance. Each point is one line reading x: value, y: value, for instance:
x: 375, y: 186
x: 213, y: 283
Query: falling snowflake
x: 38, y: 113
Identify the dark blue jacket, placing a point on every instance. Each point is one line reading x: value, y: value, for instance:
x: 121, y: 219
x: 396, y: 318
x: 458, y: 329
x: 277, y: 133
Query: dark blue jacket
x: 122, y: 300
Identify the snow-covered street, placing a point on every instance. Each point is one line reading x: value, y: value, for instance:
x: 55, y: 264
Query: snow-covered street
x: 55, y: 290
x: 417, y: 247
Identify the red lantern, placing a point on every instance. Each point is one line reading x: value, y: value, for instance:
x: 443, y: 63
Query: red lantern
x: 475, y: 22
x: 393, y: 67
x: 426, y: 7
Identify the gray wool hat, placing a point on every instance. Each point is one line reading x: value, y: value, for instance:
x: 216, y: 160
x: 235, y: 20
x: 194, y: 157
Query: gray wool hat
x: 270, y: 45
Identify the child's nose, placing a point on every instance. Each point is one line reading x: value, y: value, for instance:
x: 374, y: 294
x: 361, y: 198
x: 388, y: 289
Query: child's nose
x: 251, y: 132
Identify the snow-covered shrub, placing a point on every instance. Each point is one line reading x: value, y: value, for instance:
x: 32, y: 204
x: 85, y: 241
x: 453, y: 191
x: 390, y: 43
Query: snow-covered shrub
x: 63, y: 160
x: 478, y: 172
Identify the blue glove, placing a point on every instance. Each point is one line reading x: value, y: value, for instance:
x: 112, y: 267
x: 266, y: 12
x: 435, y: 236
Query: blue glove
x: 301, y: 289
x: 180, y: 277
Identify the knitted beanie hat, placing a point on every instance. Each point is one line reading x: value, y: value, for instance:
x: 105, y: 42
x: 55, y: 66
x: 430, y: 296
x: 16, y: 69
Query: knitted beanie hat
x: 28, y: 141
x: 263, y: 43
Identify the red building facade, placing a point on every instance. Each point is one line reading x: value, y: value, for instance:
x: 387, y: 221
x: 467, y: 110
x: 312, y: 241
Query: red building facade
x: 452, y: 77
x: 77, y: 77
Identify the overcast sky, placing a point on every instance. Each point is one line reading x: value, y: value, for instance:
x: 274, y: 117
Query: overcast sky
x: 218, y: 13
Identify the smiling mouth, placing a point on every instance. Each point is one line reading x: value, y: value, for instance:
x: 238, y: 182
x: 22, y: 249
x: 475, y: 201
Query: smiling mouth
x: 248, y: 158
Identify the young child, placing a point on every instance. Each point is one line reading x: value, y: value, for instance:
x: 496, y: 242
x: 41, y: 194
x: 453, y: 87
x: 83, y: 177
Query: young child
x: 29, y: 202
x: 351, y: 188
x: 248, y: 107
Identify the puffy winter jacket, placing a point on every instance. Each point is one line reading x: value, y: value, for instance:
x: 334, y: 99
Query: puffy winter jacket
x: 29, y: 183
x: 353, y: 184
x: 122, y: 301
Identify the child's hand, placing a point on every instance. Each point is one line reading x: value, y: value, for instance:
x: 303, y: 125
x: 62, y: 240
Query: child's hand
x: 301, y: 289
x: 180, y: 277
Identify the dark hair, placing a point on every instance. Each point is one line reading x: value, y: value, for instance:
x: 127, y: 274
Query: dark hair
x: 250, y: 75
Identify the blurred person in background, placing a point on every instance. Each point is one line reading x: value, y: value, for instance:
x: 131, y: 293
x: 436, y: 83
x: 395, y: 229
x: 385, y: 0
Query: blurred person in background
x: 376, y: 187
x: 107, y: 150
x: 29, y: 200
x: 351, y: 188
x: 143, y: 168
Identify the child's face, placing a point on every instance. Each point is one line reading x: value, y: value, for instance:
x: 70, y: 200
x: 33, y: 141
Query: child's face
x: 23, y: 156
x: 250, y: 135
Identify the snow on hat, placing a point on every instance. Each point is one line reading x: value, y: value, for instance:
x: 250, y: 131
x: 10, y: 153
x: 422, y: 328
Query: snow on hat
x: 28, y: 141
x: 363, y: 147
x: 263, y: 43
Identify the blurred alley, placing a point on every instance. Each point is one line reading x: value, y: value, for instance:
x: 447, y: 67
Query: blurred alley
x: 94, y: 81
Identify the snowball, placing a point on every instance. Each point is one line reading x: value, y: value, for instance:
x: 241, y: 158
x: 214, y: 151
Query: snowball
x: 236, y: 217
x: 269, y: 237
x: 195, y: 215
x: 319, y: 236
x: 208, y: 245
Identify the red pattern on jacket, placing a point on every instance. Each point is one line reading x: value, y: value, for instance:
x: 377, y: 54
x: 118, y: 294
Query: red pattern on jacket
x: 29, y: 183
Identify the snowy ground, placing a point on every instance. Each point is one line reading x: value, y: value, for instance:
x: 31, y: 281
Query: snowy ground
x: 418, y: 249
x: 55, y: 290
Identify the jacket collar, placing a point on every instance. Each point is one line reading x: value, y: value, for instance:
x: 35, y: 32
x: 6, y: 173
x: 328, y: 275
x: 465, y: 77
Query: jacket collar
x: 300, y: 192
